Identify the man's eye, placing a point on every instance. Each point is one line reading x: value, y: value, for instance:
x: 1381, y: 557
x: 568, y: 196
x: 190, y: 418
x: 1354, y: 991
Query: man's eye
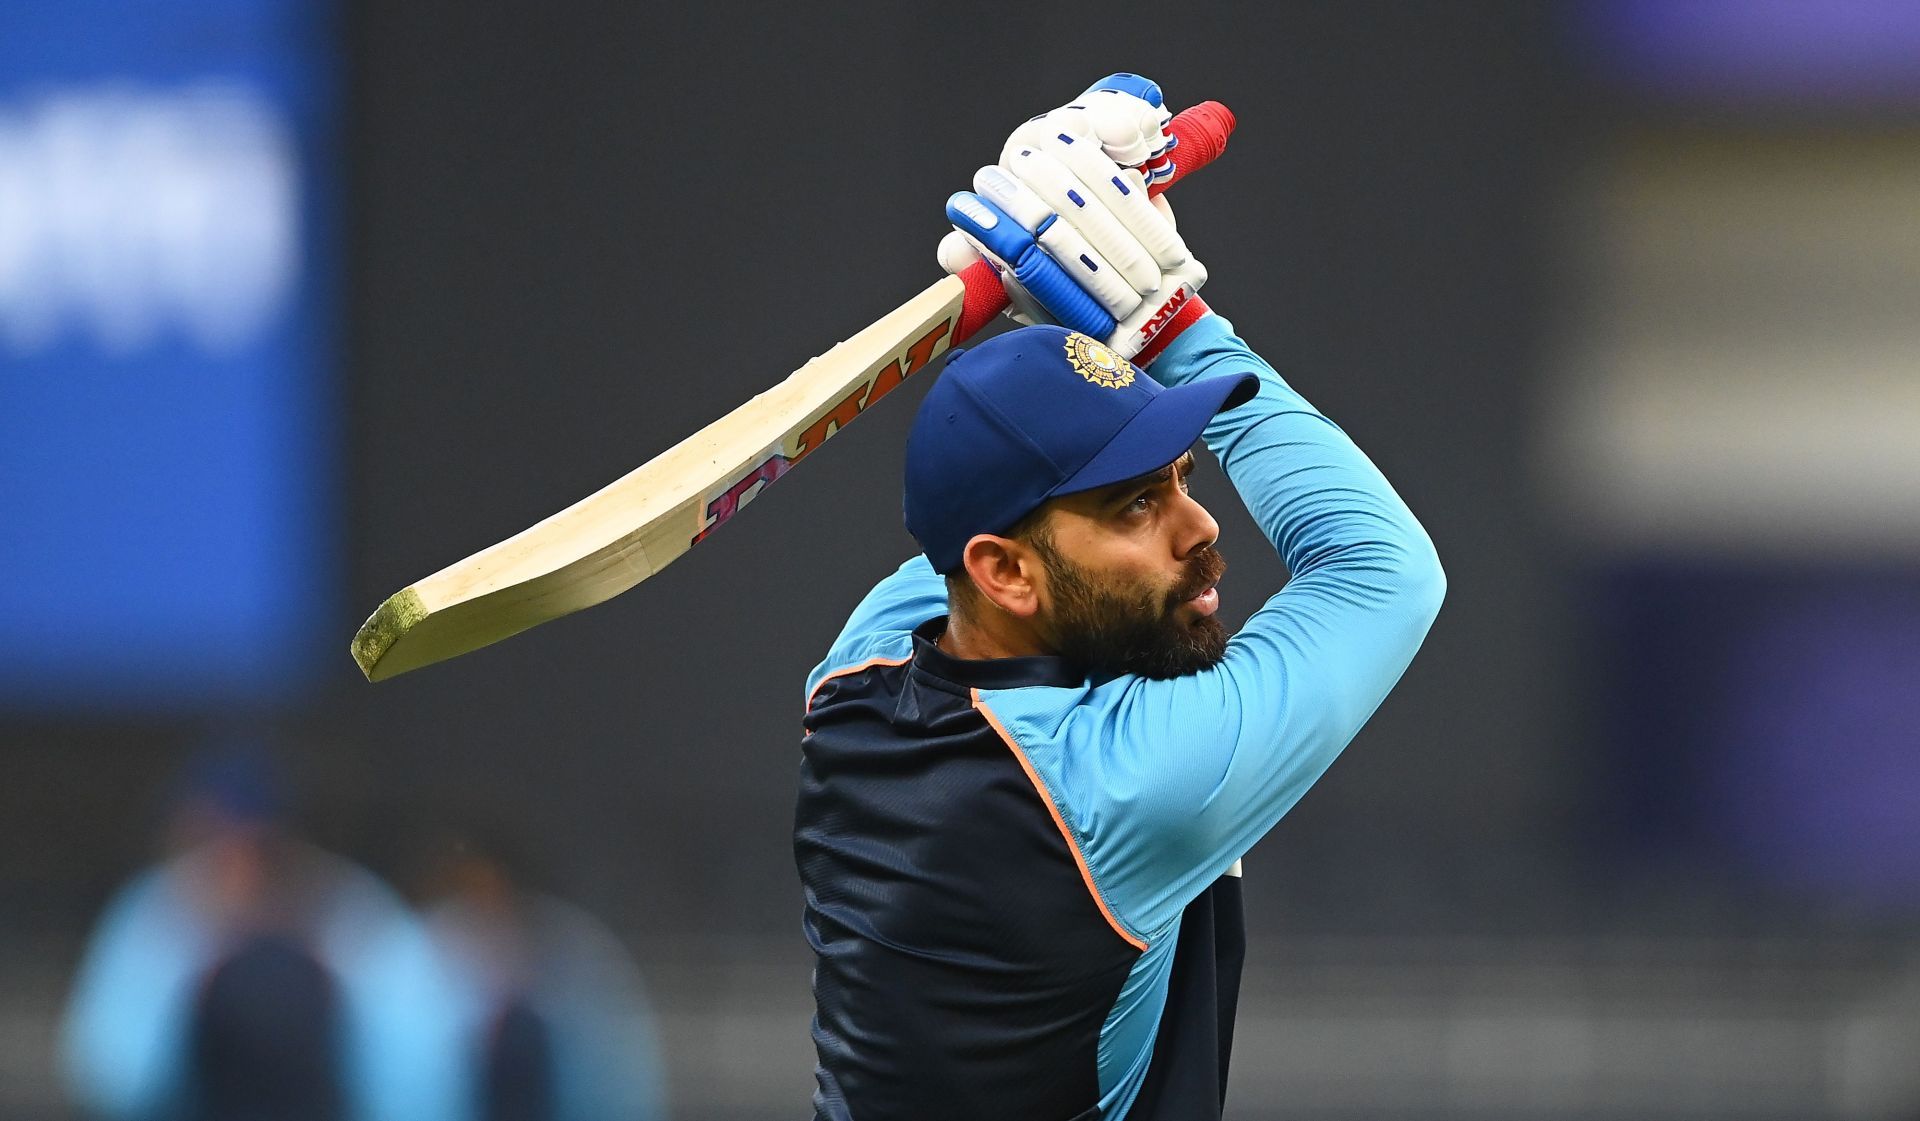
x: 1140, y: 504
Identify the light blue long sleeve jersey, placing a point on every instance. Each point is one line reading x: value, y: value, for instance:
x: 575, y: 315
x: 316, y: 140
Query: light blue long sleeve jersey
x: 1160, y: 786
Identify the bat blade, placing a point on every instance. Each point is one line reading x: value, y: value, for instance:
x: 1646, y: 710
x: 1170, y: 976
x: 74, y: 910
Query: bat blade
x: 624, y: 533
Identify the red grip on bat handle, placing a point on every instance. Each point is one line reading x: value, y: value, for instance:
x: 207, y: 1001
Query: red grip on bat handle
x: 1202, y: 131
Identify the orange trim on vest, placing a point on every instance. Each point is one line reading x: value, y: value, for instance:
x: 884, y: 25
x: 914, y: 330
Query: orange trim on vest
x: 868, y: 664
x: 1040, y: 785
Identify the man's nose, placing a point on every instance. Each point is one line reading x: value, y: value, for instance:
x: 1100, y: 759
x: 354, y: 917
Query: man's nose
x: 1198, y: 529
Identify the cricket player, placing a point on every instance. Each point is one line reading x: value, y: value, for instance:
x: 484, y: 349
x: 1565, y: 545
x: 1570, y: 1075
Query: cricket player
x: 1034, y: 757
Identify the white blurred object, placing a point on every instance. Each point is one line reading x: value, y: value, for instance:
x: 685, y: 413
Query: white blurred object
x: 127, y: 212
x: 1743, y: 368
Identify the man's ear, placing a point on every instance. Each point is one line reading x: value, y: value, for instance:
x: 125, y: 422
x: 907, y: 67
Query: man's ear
x: 1006, y: 572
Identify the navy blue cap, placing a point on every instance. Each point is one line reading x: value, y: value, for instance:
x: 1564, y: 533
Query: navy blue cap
x: 1034, y: 414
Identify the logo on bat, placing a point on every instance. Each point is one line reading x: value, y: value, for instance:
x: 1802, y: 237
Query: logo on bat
x: 734, y: 498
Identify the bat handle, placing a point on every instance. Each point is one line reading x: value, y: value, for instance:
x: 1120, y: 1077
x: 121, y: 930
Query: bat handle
x: 1202, y: 131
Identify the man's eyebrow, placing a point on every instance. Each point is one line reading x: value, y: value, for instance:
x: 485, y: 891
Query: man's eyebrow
x: 1151, y: 479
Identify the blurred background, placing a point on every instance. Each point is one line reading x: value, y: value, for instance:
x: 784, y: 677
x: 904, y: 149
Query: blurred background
x: 301, y: 300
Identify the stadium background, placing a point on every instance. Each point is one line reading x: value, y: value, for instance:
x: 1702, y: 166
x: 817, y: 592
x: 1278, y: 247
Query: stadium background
x: 1620, y: 295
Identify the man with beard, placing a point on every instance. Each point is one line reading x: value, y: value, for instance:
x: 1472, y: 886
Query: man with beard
x: 1034, y: 758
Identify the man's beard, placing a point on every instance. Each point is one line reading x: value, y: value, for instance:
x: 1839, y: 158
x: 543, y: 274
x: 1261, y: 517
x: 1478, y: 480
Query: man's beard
x: 1110, y: 629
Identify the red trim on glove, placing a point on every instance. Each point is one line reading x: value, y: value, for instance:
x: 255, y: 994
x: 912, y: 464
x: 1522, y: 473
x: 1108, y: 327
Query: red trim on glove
x: 1187, y: 316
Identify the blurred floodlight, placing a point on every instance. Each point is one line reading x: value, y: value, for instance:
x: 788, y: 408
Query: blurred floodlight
x: 126, y: 213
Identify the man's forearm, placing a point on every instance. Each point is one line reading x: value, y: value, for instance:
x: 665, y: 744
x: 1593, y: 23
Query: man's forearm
x: 1314, y: 494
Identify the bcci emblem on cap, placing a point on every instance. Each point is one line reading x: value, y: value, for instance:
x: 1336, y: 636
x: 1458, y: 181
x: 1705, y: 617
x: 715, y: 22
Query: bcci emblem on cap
x: 1097, y: 363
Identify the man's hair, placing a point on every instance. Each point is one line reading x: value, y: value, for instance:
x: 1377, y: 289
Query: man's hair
x: 1034, y: 529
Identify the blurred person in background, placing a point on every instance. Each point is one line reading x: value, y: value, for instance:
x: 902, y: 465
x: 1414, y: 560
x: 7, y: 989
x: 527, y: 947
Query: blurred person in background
x: 553, y: 1020
x: 253, y: 977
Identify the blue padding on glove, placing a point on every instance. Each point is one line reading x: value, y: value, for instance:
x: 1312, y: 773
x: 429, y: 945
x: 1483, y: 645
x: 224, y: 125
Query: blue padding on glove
x: 1146, y: 89
x: 990, y: 226
x: 1069, y: 304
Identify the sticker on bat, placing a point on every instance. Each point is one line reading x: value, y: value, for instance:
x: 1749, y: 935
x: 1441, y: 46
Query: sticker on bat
x: 730, y: 501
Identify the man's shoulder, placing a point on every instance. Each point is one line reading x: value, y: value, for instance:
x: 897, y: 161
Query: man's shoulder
x: 854, y: 654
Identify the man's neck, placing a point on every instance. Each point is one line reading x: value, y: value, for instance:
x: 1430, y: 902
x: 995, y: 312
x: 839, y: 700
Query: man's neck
x: 978, y: 639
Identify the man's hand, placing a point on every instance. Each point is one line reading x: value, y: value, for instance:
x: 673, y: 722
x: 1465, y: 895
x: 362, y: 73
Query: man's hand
x: 1066, y: 219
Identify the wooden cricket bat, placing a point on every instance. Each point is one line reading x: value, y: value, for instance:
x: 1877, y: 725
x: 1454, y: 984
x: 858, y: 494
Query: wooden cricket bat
x: 619, y: 536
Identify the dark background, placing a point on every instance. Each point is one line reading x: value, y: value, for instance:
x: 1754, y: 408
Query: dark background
x: 578, y: 232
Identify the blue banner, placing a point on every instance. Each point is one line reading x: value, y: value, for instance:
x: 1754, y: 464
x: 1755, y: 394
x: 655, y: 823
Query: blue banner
x: 168, y: 513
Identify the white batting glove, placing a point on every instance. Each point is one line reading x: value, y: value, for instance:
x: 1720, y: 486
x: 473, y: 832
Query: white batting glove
x: 1126, y: 114
x: 1066, y: 219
